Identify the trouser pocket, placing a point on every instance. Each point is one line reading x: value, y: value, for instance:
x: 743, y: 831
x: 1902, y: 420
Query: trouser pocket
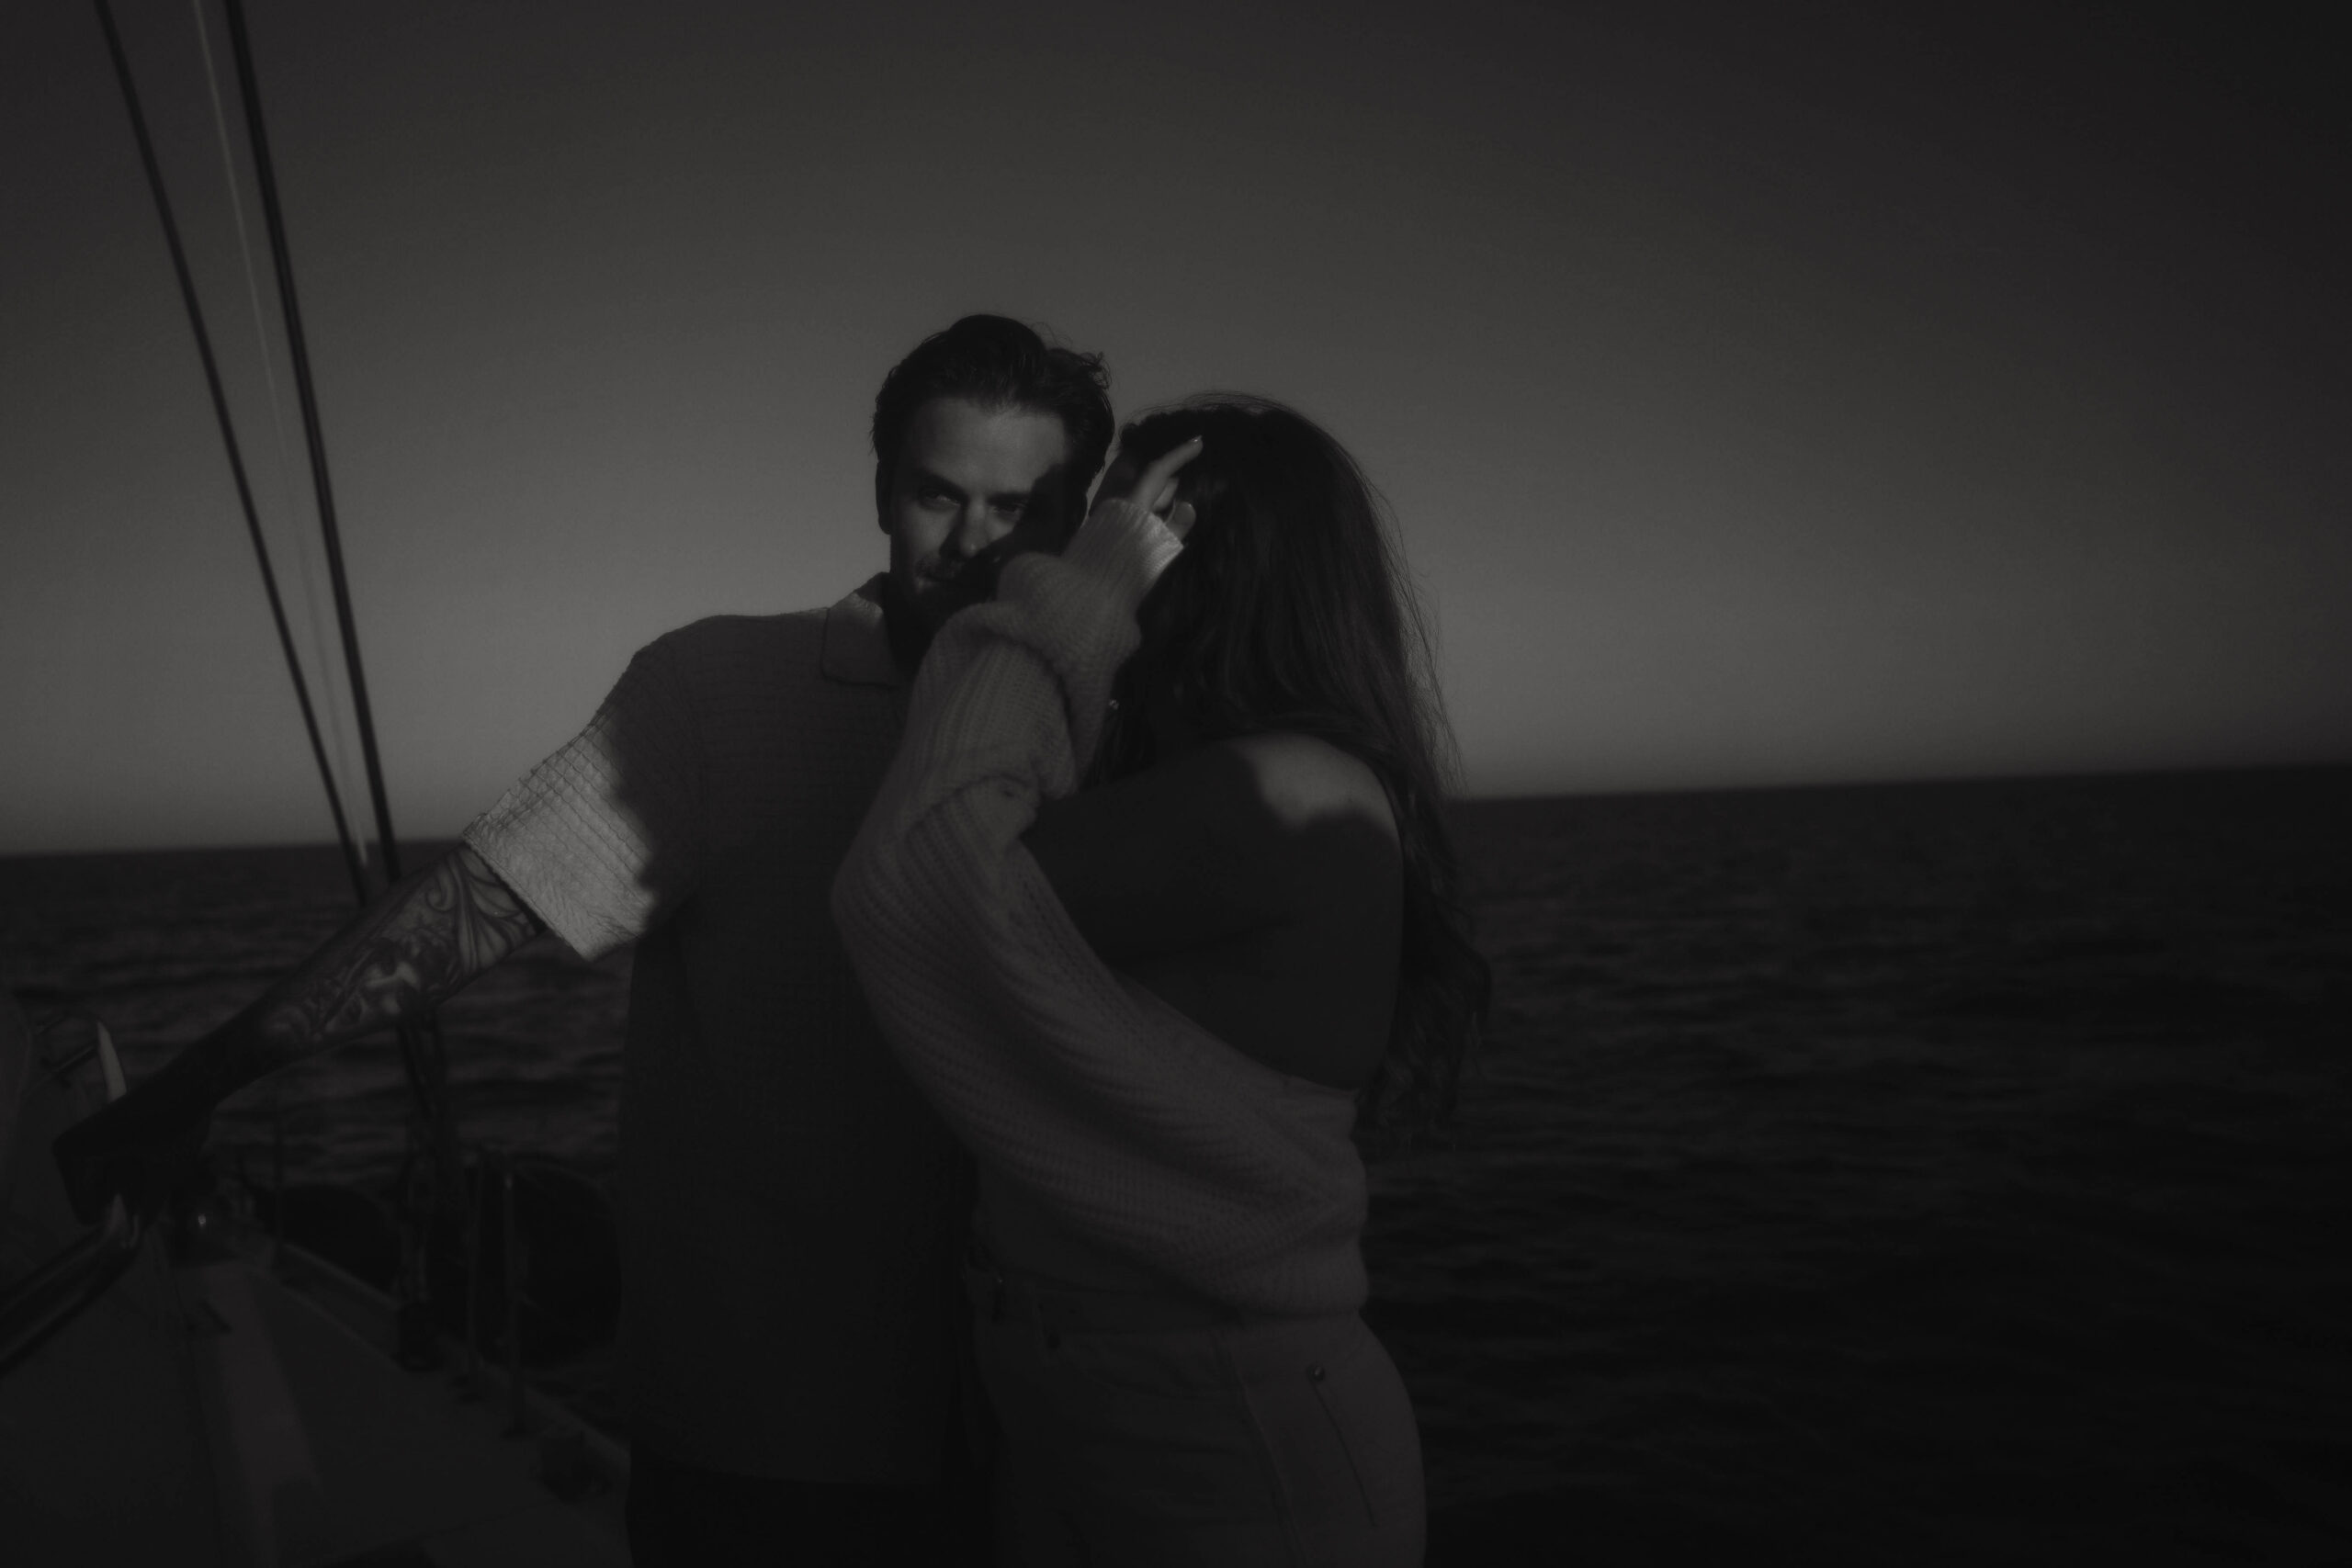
x: 1340, y: 1427
x: 1345, y: 1384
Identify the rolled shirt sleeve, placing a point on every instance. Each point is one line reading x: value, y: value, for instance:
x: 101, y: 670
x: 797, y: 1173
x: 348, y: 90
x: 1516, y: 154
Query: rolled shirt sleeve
x: 603, y: 839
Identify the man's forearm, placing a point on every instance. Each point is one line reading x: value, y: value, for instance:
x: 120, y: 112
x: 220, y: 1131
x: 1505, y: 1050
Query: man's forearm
x: 408, y: 951
x: 419, y: 943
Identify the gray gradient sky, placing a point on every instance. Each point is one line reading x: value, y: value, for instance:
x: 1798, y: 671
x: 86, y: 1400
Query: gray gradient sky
x: 1765, y: 395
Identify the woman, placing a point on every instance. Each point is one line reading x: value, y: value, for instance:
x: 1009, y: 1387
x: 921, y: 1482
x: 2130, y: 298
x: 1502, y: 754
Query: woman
x: 1157, y: 1008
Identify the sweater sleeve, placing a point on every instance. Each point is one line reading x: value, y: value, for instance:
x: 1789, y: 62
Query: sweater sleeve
x: 1141, y: 1132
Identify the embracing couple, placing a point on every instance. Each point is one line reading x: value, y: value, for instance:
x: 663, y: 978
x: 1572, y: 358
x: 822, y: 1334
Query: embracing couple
x: 1020, y: 943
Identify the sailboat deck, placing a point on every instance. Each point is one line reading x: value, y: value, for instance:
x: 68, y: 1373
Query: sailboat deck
x: 385, y: 1457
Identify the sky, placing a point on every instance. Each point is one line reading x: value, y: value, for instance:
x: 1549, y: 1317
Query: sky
x: 1764, y: 395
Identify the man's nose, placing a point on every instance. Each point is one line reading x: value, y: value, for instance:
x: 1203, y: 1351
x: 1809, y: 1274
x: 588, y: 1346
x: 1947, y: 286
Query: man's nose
x: 976, y: 529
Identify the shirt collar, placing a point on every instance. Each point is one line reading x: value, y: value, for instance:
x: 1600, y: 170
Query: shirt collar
x: 857, y: 642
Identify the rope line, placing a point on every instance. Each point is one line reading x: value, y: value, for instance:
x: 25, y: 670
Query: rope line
x: 306, y: 556
x: 229, y: 437
x: 274, y: 218
x: 422, y: 1054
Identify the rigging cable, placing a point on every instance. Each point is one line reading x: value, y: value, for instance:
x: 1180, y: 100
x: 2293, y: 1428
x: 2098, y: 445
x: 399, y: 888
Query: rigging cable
x: 422, y: 1058
x: 257, y: 138
x: 229, y: 438
x: 314, y: 597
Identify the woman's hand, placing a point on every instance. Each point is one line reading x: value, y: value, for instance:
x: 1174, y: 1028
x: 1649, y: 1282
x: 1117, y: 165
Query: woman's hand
x: 1153, y: 488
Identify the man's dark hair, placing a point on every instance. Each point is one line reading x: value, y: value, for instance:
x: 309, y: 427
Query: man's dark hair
x: 998, y: 362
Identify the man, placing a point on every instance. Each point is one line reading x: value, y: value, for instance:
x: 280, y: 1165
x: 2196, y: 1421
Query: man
x: 791, y: 1210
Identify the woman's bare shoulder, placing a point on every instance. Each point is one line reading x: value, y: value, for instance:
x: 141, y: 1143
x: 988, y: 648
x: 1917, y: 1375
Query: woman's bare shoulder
x: 1303, y: 781
x: 1232, y: 837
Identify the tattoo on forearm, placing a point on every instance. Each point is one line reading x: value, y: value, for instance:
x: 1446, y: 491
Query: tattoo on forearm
x: 420, y: 944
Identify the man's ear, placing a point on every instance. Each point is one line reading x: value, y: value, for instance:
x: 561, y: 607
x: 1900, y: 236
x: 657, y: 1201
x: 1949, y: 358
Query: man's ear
x: 882, y: 495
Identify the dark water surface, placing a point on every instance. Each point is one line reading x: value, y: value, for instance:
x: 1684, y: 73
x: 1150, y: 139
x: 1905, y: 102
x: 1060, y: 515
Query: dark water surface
x: 1921, y: 1174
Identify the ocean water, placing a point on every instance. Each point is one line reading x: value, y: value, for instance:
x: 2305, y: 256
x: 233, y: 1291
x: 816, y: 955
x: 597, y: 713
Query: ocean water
x: 1919, y: 1173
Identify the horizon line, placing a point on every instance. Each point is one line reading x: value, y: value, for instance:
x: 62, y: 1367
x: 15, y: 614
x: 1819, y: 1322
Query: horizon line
x: 1939, y: 782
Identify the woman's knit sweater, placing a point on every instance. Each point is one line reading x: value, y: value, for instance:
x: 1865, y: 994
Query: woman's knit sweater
x: 1141, y: 1133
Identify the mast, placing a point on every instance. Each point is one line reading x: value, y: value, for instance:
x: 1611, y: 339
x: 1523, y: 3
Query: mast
x: 229, y: 438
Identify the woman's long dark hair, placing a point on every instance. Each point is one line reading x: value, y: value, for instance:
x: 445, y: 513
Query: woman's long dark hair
x: 1289, y: 610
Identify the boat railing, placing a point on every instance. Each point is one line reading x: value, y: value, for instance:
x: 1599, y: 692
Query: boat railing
x: 54, y: 1294
x: 60, y: 1288
x: 497, y: 1165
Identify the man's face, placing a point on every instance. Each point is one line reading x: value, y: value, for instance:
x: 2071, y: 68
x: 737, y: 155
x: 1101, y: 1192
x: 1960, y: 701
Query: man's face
x: 970, y: 480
